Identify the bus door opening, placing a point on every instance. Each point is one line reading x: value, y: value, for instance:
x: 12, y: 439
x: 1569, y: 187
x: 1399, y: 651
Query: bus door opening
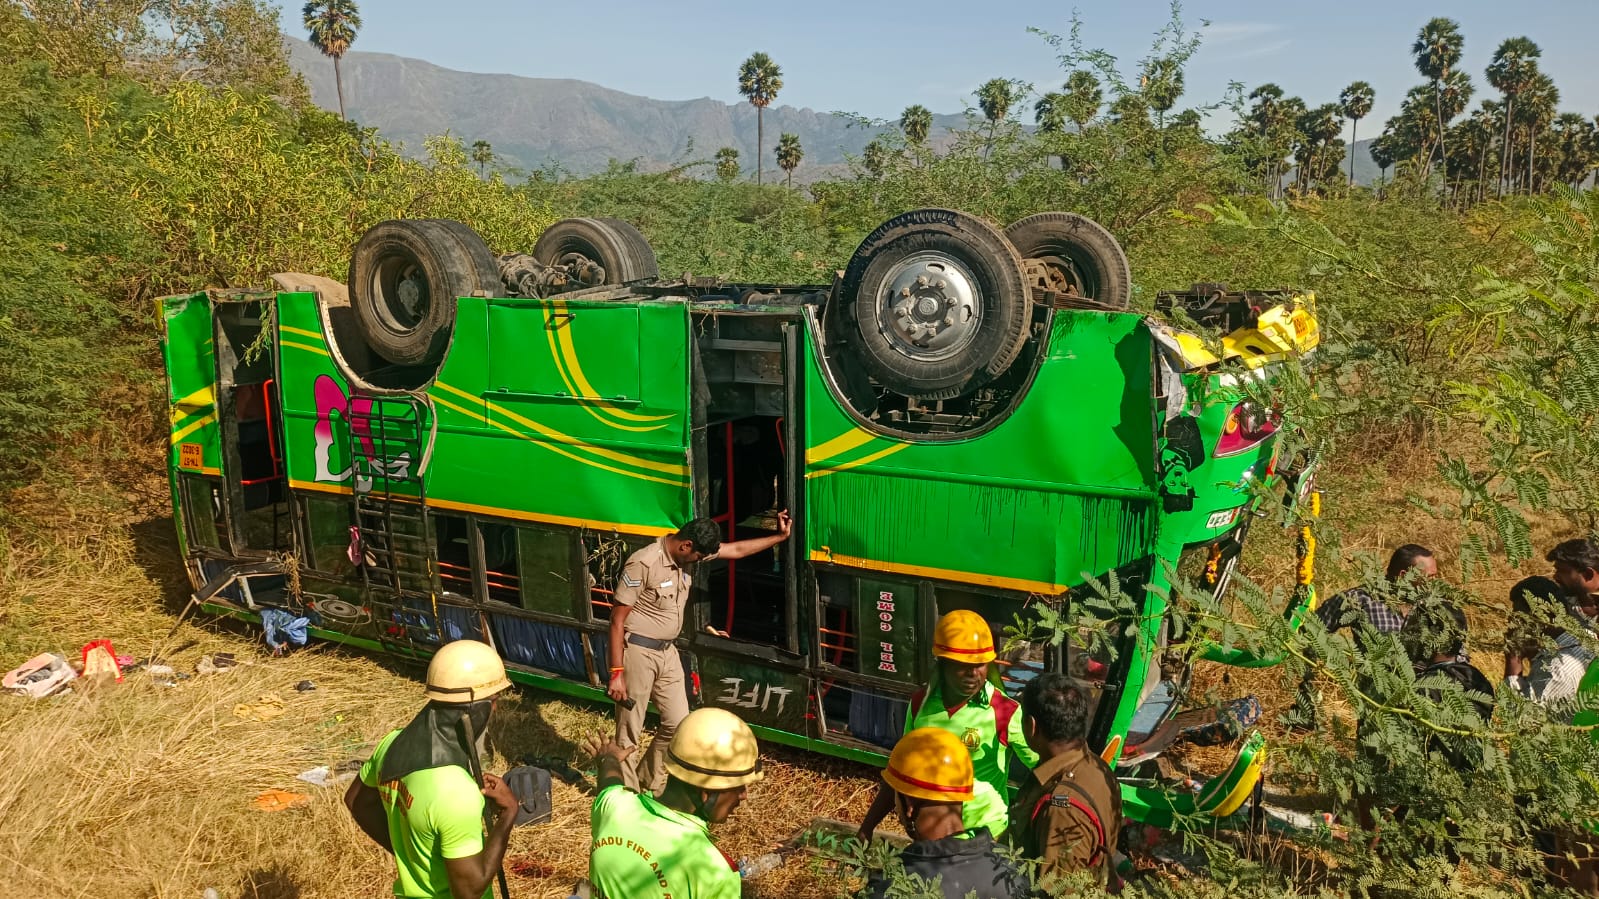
x: 746, y: 473
x: 249, y: 415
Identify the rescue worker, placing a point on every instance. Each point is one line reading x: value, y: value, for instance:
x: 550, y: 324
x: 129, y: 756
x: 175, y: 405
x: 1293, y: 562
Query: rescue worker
x: 416, y: 796
x: 1068, y: 814
x: 648, y: 848
x: 930, y: 778
x: 647, y: 617
x: 962, y: 700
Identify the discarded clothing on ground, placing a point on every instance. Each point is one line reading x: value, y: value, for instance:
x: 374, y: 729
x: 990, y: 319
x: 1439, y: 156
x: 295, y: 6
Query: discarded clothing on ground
x: 39, y: 676
x: 264, y: 709
x: 285, y: 630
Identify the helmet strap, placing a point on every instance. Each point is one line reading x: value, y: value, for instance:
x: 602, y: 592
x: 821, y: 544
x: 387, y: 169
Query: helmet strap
x: 706, y: 803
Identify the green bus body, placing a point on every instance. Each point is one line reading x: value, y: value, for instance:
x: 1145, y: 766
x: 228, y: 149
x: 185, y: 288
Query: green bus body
x: 559, y: 435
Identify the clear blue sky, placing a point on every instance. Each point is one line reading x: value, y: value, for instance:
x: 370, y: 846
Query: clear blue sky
x: 877, y: 56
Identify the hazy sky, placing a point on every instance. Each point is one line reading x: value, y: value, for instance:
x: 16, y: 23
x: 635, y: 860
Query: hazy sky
x: 877, y: 56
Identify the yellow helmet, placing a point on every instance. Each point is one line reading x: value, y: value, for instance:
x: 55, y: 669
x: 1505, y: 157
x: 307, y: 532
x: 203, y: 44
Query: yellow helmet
x: 465, y: 671
x: 714, y: 749
x: 963, y: 636
x: 931, y: 763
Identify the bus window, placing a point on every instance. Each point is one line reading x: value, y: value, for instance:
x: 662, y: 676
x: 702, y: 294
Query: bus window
x: 838, y: 634
x: 501, y: 569
x: 204, y: 521
x: 604, y: 555
x: 546, y: 557
x: 1023, y: 655
x: 328, y: 525
x: 453, y: 548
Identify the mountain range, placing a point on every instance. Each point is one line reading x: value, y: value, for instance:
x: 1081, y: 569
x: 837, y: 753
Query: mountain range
x: 580, y: 127
x: 577, y: 126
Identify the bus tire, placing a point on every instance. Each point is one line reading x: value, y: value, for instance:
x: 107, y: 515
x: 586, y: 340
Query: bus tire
x: 1080, y: 256
x: 405, y: 276
x: 620, y: 251
x: 484, y: 262
x: 937, y: 301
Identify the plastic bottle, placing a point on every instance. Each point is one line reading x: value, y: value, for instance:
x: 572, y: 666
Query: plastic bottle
x: 760, y: 864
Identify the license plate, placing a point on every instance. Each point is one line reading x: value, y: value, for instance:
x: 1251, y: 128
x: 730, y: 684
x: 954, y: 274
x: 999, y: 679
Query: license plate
x: 1221, y: 519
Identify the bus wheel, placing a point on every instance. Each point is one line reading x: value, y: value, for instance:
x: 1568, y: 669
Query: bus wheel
x: 596, y: 251
x: 1075, y: 257
x: 937, y: 302
x: 405, y: 276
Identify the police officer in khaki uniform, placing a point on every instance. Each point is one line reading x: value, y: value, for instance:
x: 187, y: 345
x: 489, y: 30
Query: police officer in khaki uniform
x: 647, y: 617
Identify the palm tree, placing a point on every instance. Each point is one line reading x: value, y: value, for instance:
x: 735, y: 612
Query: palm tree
x: 874, y: 158
x: 482, y: 154
x: 1573, y: 136
x: 1083, y: 97
x: 789, y: 154
x: 759, y: 80
x: 1161, y: 84
x: 1437, y: 50
x: 994, y: 98
x: 916, y: 121
x: 1355, y: 102
x: 1513, y: 67
x: 727, y: 163
x: 1538, y: 101
x: 332, y: 25
x: 1271, y: 120
x: 1383, y: 157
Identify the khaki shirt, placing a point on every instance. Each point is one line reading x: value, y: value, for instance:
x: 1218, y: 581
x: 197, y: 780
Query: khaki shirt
x: 1069, y: 814
x: 656, y: 589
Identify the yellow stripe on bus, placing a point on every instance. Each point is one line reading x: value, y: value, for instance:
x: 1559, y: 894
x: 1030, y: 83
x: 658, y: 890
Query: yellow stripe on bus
x: 191, y: 427
x: 642, y: 530
x: 552, y: 434
x: 555, y: 446
x: 843, y: 443
x: 944, y: 574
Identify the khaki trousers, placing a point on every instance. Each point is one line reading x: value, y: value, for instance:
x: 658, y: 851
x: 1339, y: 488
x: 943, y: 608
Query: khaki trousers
x: 651, y: 675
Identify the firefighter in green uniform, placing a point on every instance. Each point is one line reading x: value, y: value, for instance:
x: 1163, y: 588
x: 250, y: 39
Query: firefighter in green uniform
x: 962, y: 700
x: 648, y: 848
x: 416, y: 796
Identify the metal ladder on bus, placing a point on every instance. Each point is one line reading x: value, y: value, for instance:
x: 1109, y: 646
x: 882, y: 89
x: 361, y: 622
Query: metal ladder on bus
x: 388, y: 441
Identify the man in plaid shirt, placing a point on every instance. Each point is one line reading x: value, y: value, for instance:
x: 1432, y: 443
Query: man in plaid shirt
x: 1408, y: 563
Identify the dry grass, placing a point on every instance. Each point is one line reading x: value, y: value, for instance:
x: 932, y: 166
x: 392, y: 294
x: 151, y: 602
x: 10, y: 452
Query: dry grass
x: 137, y: 789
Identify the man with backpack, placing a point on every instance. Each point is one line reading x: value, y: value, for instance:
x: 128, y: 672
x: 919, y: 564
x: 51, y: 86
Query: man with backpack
x: 1069, y: 813
x: 929, y: 777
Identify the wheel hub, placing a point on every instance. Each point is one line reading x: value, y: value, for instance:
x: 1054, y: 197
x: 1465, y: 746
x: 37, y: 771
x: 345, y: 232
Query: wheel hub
x: 931, y: 306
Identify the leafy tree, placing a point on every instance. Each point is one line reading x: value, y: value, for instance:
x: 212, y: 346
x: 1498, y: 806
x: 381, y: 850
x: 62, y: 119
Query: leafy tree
x: 482, y: 154
x: 759, y: 80
x: 1355, y: 102
x: 727, y: 163
x: 333, y: 25
x: 1083, y: 98
x: 789, y: 154
x: 995, y: 98
x: 916, y: 121
x: 1514, y: 65
x: 1437, y: 52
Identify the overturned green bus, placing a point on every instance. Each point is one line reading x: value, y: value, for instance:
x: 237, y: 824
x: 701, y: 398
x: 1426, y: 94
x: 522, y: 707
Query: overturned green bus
x: 459, y: 444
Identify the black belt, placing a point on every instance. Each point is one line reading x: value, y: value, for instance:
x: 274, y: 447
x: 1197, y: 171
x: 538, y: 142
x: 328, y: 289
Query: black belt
x: 648, y: 642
